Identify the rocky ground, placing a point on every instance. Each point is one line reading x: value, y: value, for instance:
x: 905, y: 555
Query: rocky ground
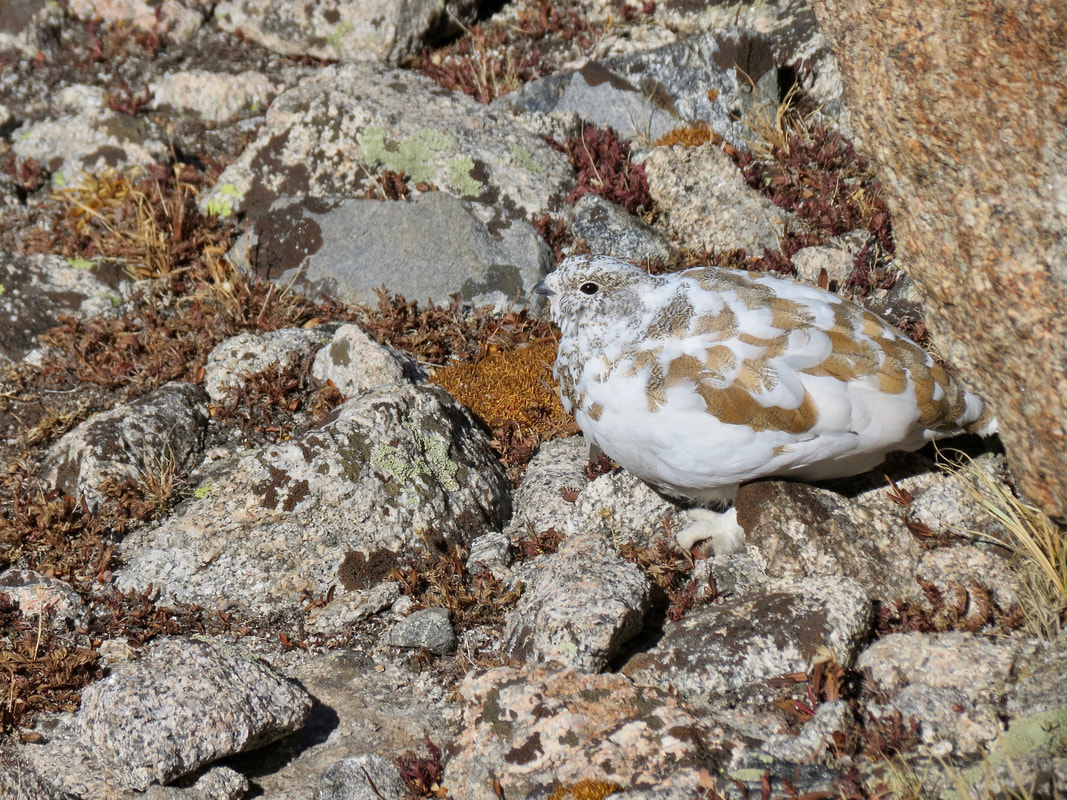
x: 288, y: 508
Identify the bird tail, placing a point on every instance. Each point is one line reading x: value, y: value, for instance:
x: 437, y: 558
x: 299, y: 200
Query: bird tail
x: 978, y: 417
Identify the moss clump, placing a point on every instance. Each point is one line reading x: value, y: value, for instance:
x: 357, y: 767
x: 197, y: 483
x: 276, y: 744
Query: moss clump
x: 587, y: 789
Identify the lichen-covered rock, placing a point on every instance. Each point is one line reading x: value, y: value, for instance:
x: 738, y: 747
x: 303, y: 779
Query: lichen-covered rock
x: 707, y: 204
x: 89, y: 143
x: 980, y: 220
x: 388, y: 474
x: 346, y: 30
x: 714, y: 77
x: 772, y: 631
x: 584, y: 603
x: 37, y: 290
x: 183, y: 705
x: 536, y: 729
x: 160, y: 435
x: 333, y: 134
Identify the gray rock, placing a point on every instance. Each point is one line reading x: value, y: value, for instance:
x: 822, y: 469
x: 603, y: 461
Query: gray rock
x: 214, y: 96
x: 333, y: 134
x: 648, y: 94
x: 381, y: 477
x: 976, y: 571
x: 773, y: 631
x: 607, y: 228
x: 490, y: 552
x: 706, y: 203
x: 233, y: 361
x: 429, y: 628
x: 811, y: 261
x: 354, y: 362
x: 949, y: 506
x: 365, y: 706
x: 89, y: 143
x: 35, y: 593
x: 815, y: 736
x: 160, y: 435
x: 556, y: 493
x: 950, y: 683
x: 429, y: 247
x: 18, y: 778
x: 176, y: 20
x: 183, y: 705
x: 346, y: 30
x: 36, y: 290
x: 218, y: 783
x: 583, y: 605
x: 362, y: 778
x: 351, y: 607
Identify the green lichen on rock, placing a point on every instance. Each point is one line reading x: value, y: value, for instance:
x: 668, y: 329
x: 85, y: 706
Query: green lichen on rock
x: 459, y: 177
x: 219, y: 204
x: 1042, y: 732
x: 415, y: 156
x: 523, y: 156
x: 433, y: 460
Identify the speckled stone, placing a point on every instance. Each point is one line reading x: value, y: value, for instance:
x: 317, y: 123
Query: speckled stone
x: 163, y: 432
x: 536, y: 728
x: 774, y: 630
x: 186, y: 704
x: 428, y: 627
x: 584, y: 602
x: 707, y: 203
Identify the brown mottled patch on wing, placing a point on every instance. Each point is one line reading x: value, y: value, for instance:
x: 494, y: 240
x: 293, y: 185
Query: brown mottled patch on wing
x: 656, y: 389
x: 735, y: 406
x: 596, y: 411
x: 906, y: 359
x: 788, y: 314
x: 674, y: 319
x: 757, y: 376
x: 751, y: 294
x: 724, y: 324
x: 772, y: 348
x: 720, y: 361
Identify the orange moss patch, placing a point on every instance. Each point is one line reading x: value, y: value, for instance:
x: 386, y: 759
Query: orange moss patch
x: 587, y: 789
x: 511, y: 385
x: 513, y: 392
x: 689, y: 136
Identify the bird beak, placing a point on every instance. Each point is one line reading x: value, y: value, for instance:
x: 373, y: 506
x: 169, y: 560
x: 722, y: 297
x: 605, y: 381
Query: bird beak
x: 542, y: 288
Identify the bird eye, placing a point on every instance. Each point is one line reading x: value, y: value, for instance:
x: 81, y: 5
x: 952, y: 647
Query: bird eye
x: 588, y: 288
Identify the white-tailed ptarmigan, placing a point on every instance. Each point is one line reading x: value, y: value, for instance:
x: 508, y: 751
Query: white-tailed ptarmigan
x: 700, y: 380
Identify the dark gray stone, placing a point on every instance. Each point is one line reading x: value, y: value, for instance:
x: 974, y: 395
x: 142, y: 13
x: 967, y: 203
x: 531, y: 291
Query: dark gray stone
x: 428, y: 248
x: 427, y: 628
